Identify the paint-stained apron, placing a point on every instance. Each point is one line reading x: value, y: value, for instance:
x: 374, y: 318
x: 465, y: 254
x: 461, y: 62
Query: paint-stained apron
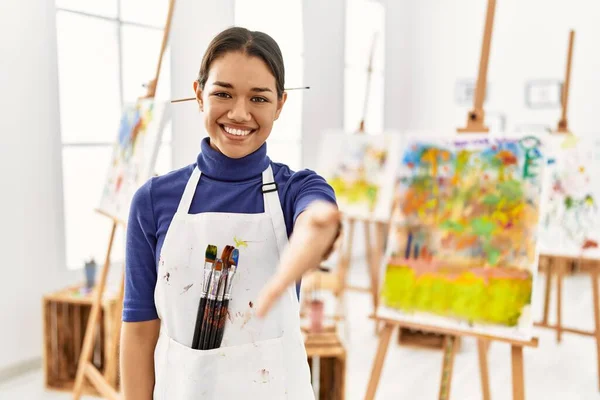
x: 258, y: 358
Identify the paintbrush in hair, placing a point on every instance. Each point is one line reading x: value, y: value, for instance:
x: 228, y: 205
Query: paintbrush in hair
x: 209, y: 260
x: 207, y: 321
x: 233, y: 262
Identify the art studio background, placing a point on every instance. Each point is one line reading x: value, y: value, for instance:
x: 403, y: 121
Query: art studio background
x: 68, y: 68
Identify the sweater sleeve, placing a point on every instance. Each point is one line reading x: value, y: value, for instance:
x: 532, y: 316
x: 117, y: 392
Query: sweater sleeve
x: 140, y: 258
x: 311, y: 187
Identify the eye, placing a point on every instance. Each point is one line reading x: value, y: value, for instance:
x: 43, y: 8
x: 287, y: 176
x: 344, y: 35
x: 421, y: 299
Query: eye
x: 258, y: 99
x: 222, y: 95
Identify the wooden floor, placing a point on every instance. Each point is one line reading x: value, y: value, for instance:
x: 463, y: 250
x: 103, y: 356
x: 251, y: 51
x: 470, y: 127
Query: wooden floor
x: 552, y: 371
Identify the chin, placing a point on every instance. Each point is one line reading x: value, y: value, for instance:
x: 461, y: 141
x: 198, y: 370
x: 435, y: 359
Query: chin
x: 234, y: 150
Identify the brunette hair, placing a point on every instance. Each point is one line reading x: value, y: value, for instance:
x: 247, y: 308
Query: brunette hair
x: 251, y: 43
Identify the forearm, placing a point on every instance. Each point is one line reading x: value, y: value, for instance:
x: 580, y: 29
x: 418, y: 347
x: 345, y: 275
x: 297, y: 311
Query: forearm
x: 138, y: 341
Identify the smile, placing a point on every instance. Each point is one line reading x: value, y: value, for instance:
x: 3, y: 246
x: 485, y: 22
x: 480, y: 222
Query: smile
x: 236, y: 131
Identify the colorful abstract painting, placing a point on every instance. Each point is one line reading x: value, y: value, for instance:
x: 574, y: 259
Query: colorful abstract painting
x: 462, y: 249
x: 361, y: 169
x: 134, y: 155
x: 571, y: 219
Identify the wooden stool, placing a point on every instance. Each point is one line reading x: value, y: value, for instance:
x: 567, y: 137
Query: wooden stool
x: 331, y: 355
x: 65, y: 314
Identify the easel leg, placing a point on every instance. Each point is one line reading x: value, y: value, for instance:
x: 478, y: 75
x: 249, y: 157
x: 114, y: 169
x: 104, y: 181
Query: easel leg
x: 559, y: 281
x: 547, y: 289
x: 596, y: 299
x: 384, y: 341
x: 371, y: 261
x: 447, y: 366
x: 110, y: 373
x: 482, y: 350
x: 88, y: 341
x: 377, y: 259
x: 346, y: 255
x: 517, y: 373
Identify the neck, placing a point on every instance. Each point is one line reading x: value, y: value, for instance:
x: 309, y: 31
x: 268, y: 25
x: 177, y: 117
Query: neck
x: 216, y: 165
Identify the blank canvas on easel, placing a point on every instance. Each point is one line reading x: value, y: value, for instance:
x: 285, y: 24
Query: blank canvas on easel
x: 361, y: 169
x: 134, y: 155
x: 462, y: 250
x: 571, y: 219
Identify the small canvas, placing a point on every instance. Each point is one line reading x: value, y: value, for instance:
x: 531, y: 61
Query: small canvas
x: 571, y: 220
x: 462, y: 250
x: 361, y: 169
x: 134, y: 155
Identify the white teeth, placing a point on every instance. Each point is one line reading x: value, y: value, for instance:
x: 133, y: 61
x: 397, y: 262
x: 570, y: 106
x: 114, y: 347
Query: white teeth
x: 237, y: 132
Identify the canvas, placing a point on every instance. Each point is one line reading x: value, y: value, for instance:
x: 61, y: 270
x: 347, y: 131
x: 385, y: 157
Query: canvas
x: 361, y: 169
x: 462, y: 250
x: 134, y: 155
x: 571, y: 221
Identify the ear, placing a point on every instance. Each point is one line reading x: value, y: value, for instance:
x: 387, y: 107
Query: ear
x: 198, y: 91
x: 280, y: 104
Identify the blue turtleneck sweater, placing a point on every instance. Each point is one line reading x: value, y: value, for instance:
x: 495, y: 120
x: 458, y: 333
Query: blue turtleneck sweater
x: 226, y: 185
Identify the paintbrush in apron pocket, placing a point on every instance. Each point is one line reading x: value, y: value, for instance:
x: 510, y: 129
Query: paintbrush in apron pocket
x: 208, y: 317
x: 233, y: 262
x: 210, y: 257
x: 214, y: 323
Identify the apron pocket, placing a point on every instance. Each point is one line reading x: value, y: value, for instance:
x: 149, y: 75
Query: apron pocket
x: 249, y: 371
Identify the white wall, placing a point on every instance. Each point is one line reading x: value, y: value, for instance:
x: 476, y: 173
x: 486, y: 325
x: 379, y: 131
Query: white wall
x: 32, y: 234
x: 194, y: 25
x: 323, y: 103
x: 432, y: 43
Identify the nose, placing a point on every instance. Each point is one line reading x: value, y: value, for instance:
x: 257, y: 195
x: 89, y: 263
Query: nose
x: 239, y: 111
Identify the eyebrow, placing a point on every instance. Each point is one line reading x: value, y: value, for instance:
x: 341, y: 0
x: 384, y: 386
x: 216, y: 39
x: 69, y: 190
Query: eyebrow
x: 230, y: 86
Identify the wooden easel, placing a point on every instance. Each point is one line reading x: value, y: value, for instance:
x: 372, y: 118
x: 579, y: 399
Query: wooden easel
x: 559, y: 266
x: 85, y: 368
x: 475, y: 124
x: 448, y: 358
x: 373, y: 246
x: 476, y: 117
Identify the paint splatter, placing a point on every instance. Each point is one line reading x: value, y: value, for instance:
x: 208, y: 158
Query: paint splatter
x: 246, y: 319
x: 186, y: 288
x: 251, y: 304
x: 167, y: 276
x: 229, y: 316
x: 264, y: 374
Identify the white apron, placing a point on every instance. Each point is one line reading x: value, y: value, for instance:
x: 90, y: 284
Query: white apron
x: 258, y: 359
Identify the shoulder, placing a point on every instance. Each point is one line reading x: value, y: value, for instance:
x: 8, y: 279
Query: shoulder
x: 160, y: 189
x: 285, y: 175
x: 302, y: 182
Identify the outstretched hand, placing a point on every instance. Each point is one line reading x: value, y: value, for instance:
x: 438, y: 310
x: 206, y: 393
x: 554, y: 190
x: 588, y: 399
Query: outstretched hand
x: 314, y: 233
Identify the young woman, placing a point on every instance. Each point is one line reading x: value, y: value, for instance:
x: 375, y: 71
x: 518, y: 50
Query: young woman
x: 233, y: 195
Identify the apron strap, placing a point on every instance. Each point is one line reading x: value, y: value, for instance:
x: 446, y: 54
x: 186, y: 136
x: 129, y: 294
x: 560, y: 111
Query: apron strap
x: 188, y: 193
x: 273, y: 208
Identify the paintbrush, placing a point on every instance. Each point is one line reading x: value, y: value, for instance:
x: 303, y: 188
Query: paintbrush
x: 214, y: 326
x: 210, y: 304
x: 209, y: 259
x: 208, y: 316
x: 233, y: 262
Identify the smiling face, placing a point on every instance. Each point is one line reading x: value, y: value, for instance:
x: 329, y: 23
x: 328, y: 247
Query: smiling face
x: 240, y: 103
